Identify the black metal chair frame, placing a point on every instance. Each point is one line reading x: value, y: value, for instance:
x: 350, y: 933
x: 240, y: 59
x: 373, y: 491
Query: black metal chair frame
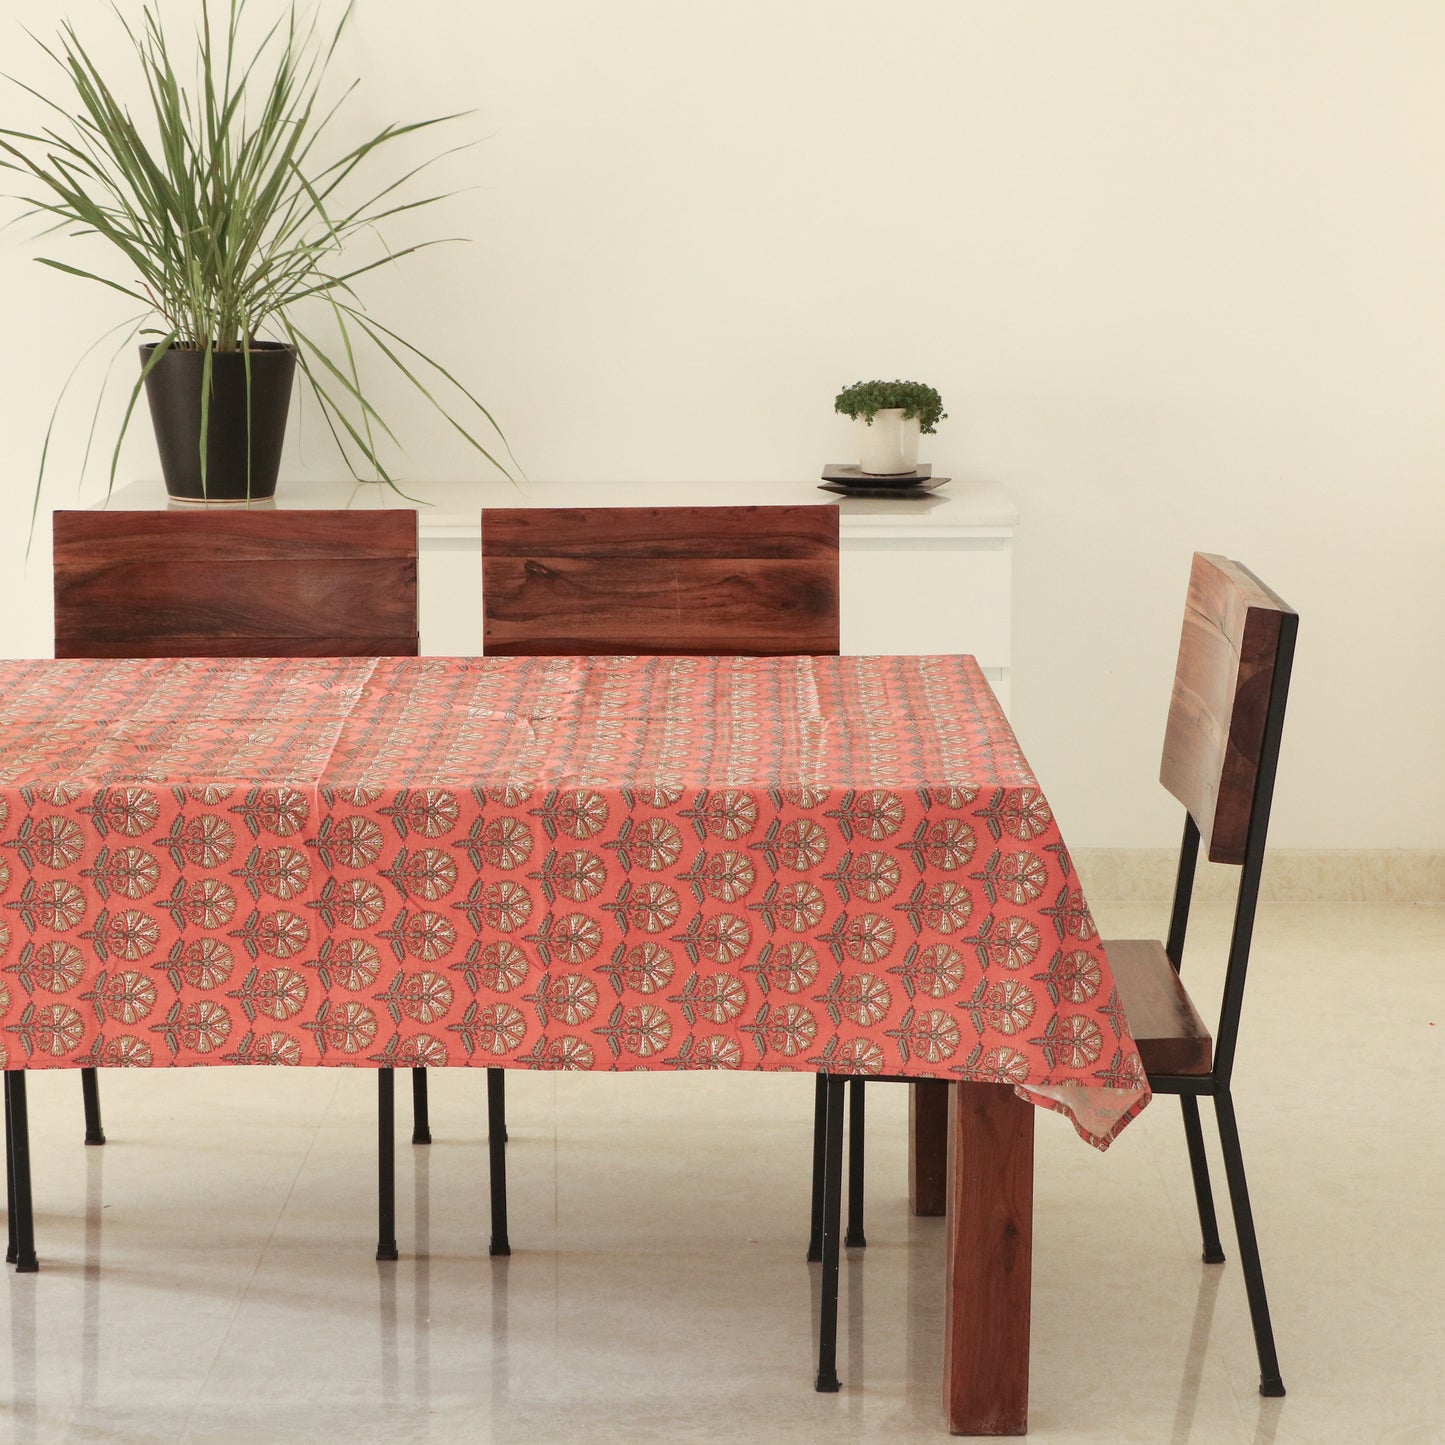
x: 1215, y: 1084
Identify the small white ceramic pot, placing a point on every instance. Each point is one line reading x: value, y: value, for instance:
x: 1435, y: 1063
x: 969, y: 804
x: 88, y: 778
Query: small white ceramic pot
x: 889, y: 445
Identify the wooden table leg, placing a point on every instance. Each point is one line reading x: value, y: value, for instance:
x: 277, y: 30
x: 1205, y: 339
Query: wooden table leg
x: 928, y: 1146
x: 990, y: 1260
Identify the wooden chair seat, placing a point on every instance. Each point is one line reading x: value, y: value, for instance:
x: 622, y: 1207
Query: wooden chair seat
x: 1172, y: 1038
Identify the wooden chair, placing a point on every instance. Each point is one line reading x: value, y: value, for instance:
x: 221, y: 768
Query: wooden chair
x: 1221, y: 747
x: 618, y: 581
x: 236, y: 583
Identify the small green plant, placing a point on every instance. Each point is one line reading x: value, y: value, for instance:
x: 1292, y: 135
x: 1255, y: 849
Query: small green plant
x: 225, y: 222
x: 867, y: 398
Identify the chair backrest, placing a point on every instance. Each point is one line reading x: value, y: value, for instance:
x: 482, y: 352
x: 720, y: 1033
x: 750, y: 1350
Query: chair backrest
x: 1221, y: 748
x: 607, y: 581
x: 1229, y: 686
x: 236, y: 584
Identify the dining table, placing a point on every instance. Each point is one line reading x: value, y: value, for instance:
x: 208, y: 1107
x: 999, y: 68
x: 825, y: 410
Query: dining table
x: 835, y: 865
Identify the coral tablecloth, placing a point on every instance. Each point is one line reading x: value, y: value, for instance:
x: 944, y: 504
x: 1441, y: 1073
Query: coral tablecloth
x: 803, y: 863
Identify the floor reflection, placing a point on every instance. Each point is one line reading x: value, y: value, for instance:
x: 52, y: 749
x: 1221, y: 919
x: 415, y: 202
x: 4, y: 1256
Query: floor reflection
x: 501, y: 1394
x: 1270, y: 1412
x: 421, y: 1312
x: 1210, y: 1276
x: 924, y: 1294
x: 23, y: 1407
x: 90, y: 1290
x: 386, y: 1272
x: 855, y: 1264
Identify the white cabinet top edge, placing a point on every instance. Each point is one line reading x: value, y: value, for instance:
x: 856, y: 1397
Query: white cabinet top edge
x: 971, y: 508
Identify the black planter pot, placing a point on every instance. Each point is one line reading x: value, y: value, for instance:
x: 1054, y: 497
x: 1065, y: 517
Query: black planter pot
x: 235, y: 471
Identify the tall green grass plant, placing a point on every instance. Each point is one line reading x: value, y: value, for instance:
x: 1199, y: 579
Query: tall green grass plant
x: 234, y: 215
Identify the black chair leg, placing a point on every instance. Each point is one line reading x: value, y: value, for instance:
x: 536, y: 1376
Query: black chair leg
x: 855, y: 1238
x: 420, y: 1118
x: 17, y: 1157
x: 386, y: 1164
x: 497, y: 1157
x: 90, y: 1092
x: 827, y: 1381
x: 11, y: 1251
x: 820, y: 1128
x: 501, y: 1120
x: 1203, y: 1194
x: 1270, y: 1382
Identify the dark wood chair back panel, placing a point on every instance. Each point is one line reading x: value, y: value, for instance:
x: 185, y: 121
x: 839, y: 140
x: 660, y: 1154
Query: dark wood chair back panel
x: 236, y: 584
x: 598, y: 581
x: 1214, y: 740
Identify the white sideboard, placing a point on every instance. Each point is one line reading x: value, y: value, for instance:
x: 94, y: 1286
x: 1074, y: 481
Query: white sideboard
x: 918, y: 575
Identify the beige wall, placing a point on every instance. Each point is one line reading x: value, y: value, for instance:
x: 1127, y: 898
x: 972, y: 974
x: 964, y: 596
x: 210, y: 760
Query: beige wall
x: 1176, y: 269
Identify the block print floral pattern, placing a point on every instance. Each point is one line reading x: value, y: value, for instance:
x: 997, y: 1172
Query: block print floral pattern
x: 839, y: 864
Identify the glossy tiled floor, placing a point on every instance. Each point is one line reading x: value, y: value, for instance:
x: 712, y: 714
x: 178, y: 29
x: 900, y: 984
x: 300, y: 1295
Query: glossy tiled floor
x: 208, y: 1274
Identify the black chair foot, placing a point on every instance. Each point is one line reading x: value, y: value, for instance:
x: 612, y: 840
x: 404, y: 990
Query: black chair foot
x: 1213, y: 1256
x: 815, y: 1253
x: 11, y: 1255
x: 90, y: 1093
x: 421, y: 1136
x: 499, y: 1247
x: 828, y: 1384
x: 855, y: 1240
x: 30, y: 1264
x: 1272, y: 1389
x: 387, y: 1251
